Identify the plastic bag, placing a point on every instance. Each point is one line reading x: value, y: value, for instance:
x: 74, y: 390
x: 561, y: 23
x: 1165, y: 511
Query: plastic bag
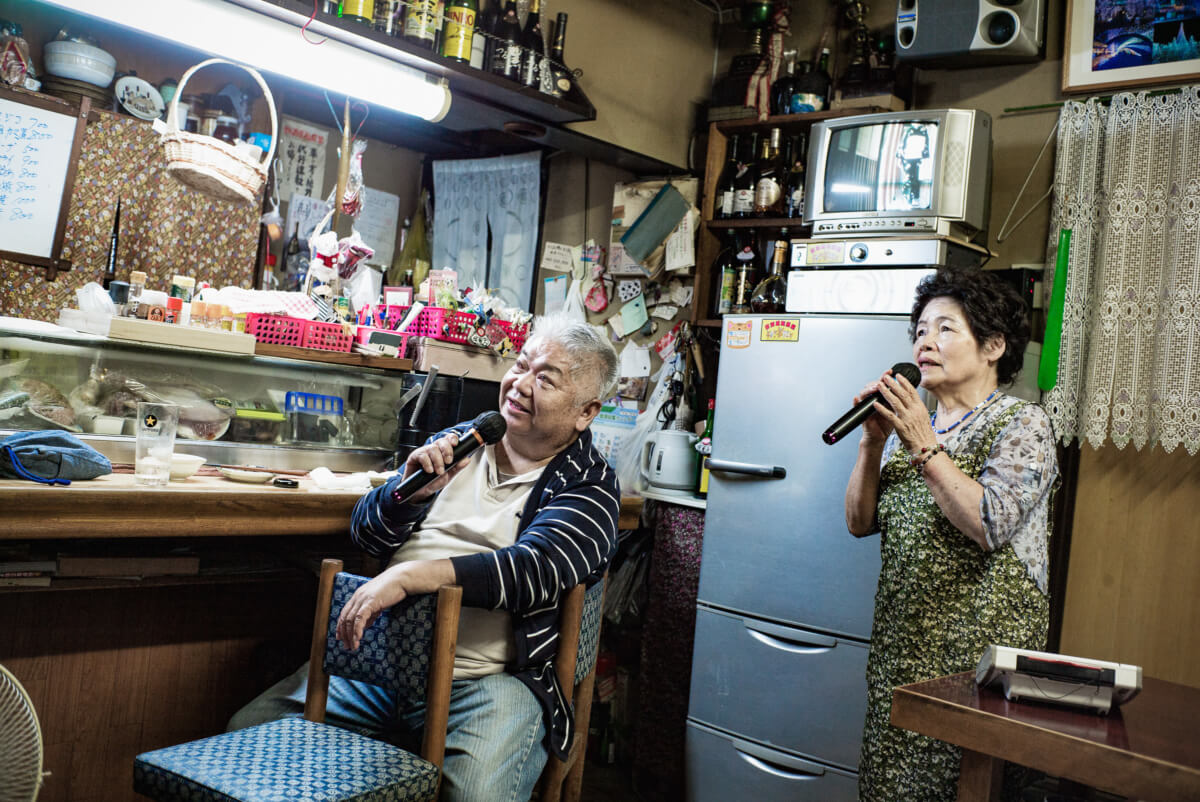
x: 628, y: 462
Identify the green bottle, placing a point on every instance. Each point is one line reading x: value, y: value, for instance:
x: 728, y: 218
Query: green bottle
x: 458, y: 30
x: 705, y: 443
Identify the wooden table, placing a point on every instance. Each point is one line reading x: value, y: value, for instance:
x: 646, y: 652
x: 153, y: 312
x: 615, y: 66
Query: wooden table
x: 1147, y: 749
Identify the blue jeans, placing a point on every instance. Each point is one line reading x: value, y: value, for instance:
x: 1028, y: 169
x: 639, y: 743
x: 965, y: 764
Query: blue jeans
x: 494, y: 733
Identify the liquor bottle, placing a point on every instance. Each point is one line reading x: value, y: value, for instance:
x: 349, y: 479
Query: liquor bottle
x: 485, y: 21
x: 388, y: 17
x: 361, y: 11
x: 793, y: 191
x: 110, y: 267
x: 745, y: 181
x: 533, y: 48
x: 458, y: 30
x: 781, y: 91
x: 770, y: 296
x: 812, y: 88
x: 558, y: 78
x: 439, y: 18
x: 768, y: 188
x: 705, y: 443
x: 420, y: 22
x: 747, y: 274
x: 506, y: 48
x: 724, y: 271
x: 723, y: 203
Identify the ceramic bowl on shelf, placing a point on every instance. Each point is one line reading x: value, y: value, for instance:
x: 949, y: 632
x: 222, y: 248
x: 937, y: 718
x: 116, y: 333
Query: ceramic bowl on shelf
x: 79, y: 62
x: 184, y: 465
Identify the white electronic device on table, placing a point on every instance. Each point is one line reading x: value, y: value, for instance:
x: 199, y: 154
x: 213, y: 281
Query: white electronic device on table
x: 1058, y: 678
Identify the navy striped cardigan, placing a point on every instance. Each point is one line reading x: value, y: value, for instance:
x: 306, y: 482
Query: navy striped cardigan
x: 567, y: 535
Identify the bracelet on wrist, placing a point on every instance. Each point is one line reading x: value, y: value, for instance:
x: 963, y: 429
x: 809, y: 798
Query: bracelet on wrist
x: 922, y: 458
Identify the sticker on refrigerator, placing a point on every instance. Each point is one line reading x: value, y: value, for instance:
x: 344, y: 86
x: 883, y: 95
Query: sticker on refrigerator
x: 780, y: 330
x: 738, y: 334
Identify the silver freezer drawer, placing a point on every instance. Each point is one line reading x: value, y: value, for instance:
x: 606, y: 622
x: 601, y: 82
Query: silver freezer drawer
x: 780, y: 685
x: 721, y: 768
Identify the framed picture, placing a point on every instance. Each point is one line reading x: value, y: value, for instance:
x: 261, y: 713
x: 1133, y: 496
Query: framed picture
x: 397, y: 296
x: 1115, y: 44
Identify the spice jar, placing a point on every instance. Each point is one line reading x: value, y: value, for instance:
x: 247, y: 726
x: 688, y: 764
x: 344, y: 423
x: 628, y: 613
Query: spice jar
x: 174, y: 309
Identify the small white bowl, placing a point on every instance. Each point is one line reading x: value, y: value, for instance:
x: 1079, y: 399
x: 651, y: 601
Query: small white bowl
x: 107, y: 424
x: 79, y: 62
x: 184, y: 465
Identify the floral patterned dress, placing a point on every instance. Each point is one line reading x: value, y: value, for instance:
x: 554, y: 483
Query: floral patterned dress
x: 942, y: 598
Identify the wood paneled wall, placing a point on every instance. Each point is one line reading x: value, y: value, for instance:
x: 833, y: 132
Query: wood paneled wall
x: 1133, y: 587
x: 113, y: 673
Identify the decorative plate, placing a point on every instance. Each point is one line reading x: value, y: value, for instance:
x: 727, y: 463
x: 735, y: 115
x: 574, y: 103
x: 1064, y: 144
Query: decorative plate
x: 249, y: 477
x: 139, y: 98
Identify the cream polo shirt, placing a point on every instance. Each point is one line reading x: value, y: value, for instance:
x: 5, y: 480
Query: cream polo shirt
x: 478, y: 511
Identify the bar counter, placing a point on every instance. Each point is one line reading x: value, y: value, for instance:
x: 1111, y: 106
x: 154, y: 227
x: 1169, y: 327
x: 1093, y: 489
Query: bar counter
x: 114, y: 507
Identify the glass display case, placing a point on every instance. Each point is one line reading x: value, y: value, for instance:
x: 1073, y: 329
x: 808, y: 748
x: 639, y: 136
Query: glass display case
x: 235, y: 409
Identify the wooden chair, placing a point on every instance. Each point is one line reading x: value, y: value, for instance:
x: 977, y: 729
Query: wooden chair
x: 579, y: 640
x: 408, y: 650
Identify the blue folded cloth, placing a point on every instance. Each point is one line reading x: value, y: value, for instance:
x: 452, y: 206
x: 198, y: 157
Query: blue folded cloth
x: 50, y: 457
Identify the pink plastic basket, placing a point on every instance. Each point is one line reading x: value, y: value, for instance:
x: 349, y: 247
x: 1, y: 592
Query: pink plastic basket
x: 326, y: 337
x: 452, y: 326
x: 275, y: 329
x: 363, y: 334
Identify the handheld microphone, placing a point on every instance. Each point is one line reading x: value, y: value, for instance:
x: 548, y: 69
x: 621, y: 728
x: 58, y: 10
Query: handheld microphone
x: 486, y: 429
x: 865, y: 408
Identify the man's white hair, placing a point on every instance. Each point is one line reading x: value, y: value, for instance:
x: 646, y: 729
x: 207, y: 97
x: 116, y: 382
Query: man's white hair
x: 592, y: 358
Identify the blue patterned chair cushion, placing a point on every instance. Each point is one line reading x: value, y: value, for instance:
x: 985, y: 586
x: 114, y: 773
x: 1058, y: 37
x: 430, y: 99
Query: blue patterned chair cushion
x: 284, y: 761
x: 395, y: 650
x: 589, y: 631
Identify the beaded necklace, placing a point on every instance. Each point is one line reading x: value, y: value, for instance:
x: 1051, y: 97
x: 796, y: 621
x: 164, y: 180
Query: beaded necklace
x: 953, y: 426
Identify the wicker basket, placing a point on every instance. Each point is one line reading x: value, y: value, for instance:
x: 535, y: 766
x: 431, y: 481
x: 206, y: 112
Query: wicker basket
x: 210, y: 165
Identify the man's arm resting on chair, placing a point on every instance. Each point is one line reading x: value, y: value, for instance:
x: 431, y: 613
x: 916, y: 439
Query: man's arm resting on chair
x: 389, y: 588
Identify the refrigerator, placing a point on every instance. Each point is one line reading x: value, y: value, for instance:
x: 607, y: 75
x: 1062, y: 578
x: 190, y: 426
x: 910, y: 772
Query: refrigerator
x: 786, y: 594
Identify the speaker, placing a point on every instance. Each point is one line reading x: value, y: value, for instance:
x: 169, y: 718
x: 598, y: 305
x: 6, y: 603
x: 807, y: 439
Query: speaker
x: 970, y: 33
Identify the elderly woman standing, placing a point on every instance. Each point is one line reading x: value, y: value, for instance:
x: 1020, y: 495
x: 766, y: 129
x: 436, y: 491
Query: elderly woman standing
x: 962, y: 501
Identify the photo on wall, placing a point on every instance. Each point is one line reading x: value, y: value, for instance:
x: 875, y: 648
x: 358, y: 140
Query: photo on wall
x: 1115, y: 44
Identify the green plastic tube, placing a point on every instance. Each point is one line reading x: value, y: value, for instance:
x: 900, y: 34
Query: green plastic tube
x: 1048, y: 369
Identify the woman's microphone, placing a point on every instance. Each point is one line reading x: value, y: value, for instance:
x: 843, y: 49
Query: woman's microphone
x: 865, y: 408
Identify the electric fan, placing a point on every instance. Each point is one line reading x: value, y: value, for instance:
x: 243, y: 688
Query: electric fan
x: 20, y: 743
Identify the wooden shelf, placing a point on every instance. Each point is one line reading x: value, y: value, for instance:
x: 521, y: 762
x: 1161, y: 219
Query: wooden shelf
x: 333, y: 357
x: 116, y: 583
x: 756, y: 222
x: 788, y: 120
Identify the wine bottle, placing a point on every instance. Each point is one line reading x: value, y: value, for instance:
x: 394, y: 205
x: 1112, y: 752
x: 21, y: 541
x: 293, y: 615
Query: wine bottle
x: 458, y: 30
x: 747, y: 274
x: 485, y: 21
x: 110, y: 267
x: 724, y: 271
x: 770, y: 296
x: 745, y: 182
x: 533, y: 48
x: 705, y: 441
x: 768, y: 188
x: 812, y: 88
x: 558, y: 78
x: 420, y: 22
x: 506, y: 52
x: 794, y: 190
x: 781, y: 91
x: 361, y: 11
x: 723, y: 202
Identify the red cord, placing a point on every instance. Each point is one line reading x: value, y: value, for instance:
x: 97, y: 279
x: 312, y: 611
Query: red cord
x: 304, y: 27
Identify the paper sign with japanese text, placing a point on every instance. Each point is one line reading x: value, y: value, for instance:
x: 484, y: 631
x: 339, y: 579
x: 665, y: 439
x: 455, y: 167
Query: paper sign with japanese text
x: 301, y: 158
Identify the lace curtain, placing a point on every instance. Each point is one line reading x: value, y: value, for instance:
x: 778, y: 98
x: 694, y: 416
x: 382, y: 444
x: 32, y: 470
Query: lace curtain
x: 502, y: 193
x: 1127, y: 184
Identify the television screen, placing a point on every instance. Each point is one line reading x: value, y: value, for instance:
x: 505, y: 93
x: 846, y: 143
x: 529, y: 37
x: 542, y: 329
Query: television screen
x: 882, y: 167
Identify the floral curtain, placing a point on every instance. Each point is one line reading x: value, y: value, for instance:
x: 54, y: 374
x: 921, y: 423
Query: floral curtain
x: 1127, y: 184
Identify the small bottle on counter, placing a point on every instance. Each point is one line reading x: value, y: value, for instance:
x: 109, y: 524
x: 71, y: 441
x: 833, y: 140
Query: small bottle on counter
x: 198, y: 315
x: 182, y: 287
x: 137, y: 283
x: 212, y: 316
x: 226, y: 318
x: 174, y: 310
x: 119, y: 292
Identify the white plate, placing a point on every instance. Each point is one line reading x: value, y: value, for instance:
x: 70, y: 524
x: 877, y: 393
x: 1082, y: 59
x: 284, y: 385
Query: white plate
x: 249, y: 477
x: 139, y: 98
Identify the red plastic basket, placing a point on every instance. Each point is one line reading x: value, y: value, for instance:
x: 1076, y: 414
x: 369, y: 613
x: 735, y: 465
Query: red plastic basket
x: 326, y: 337
x: 275, y: 329
x: 452, y: 326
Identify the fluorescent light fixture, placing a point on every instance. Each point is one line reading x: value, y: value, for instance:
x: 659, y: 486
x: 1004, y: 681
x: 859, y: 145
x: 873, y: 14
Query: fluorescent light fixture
x: 268, y: 43
x: 843, y: 188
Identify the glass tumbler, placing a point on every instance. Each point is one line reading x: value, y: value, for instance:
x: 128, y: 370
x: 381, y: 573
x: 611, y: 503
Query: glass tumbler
x: 156, y: 424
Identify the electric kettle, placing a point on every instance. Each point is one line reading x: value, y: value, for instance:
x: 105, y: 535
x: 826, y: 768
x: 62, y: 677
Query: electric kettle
x: 669, y: 459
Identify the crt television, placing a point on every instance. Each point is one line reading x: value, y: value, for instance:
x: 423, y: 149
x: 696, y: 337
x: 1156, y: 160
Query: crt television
x: 900, y: 172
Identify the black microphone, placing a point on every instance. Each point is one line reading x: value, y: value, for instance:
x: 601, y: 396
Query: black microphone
x: 865, y: 408
x: 486, y: 429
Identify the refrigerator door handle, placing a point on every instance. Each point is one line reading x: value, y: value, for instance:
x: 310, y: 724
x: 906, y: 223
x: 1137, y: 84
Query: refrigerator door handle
x: 748, y: 468
x: 787, y: 639
x: 777, y: 763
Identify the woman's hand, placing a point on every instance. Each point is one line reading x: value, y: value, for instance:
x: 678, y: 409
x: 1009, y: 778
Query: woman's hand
x: 876, y: 428
x: 368, y: 602
x: 908, y: 416
x: 435, y: 457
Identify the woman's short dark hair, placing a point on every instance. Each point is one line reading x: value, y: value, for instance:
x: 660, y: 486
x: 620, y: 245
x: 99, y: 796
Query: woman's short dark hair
x: 991, y: 306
